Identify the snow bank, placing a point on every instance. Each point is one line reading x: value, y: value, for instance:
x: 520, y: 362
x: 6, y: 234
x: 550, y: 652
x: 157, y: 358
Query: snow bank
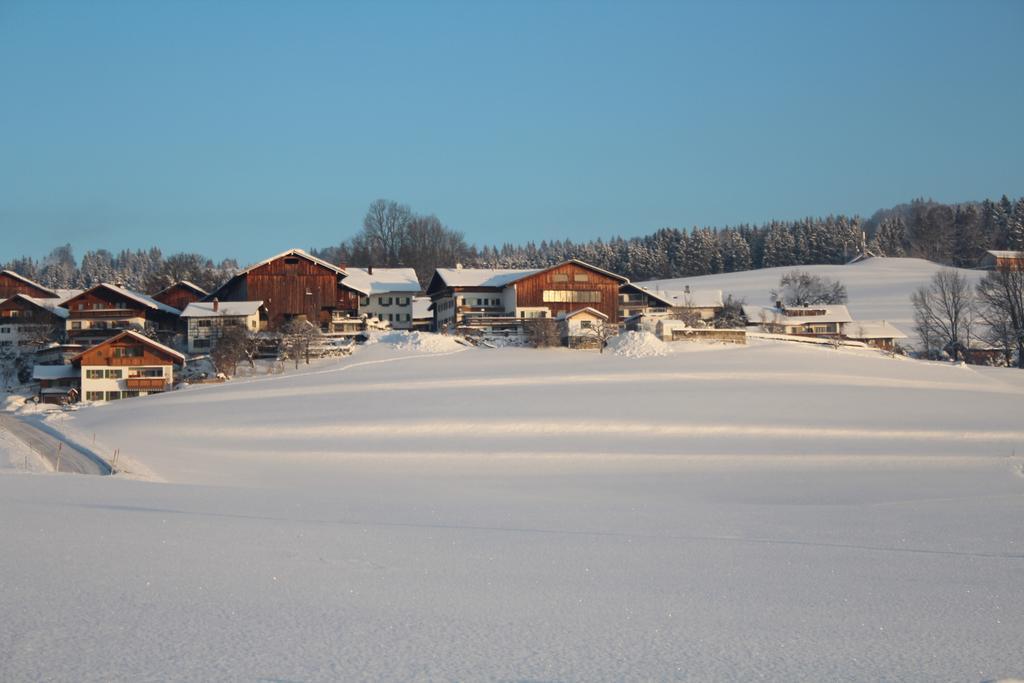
x: 638, y: 345
x: 420, y: 341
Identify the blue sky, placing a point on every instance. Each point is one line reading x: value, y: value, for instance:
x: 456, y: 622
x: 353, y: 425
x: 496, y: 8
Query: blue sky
x: 243, y: 128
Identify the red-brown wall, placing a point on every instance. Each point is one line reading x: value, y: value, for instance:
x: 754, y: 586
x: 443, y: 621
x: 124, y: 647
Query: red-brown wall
x: 530, y: 290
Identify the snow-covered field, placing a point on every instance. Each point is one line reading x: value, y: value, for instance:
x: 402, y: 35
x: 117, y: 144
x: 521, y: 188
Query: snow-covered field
x: 771, y: 512
x: 878, y: 288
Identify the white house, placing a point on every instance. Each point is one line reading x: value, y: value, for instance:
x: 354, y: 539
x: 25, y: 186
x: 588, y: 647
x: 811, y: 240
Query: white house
x: 653, y: 302
x: 127, y: 365
x: 584, y: 327
x: 385, y: 293
x: 812, y: 321
x: 207, y: 320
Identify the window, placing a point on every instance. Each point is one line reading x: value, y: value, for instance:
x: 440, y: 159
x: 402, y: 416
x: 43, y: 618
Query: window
x: 581, y: 277
x: 5, y: 330
x: 201, y: 343
x: 113, y: 395
x: 402, y: 301
x: 76, y: 325
x: 571, y: 296
x: 292, y: 261
x: 94, y: 374
x: 112, y: 374
x: 559, y: 277
x: 385, y: 301
x: 130, y: 394
x: 146, y: 372
x: 203, y: 323
x: 94, y: 396
x: 127, y: 351
x: 586, y: 324
x: 364, y: 301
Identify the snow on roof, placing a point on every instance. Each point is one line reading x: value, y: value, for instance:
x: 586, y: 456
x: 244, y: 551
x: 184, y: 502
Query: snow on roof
x: 137, y: 337
x: 873, y: 329
x: 51, y: 305
x: 798, y: 315
x: 295, y: 252
x: 585, y: 309
x: 681, y: 298
x: 421, y: 307
x: 382, y: 280
x: 24, y: 279
x: 483, y: 277
x: 1006, y: 254
x: 204, y: 309
x: 137, y: 297
x: 186, y: 283
x: 54, y: 372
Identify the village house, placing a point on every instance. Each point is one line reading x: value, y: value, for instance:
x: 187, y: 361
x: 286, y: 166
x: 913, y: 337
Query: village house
x: 125, y: 366
x: 293, y: 285
x: 584, y: 328
x: 12, y: 283
x: 384, y: 293
x: 105, y: 310
x: 654, y: 302
x: 506, y: 300
x: 1003, y: 260
x: 58, y: 384
x: 877, y: 333
x: 180, y: 294
x: 808, y: 321
x: 28, y: 324
x: 207, y: 321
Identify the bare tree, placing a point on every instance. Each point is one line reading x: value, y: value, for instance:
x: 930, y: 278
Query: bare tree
x: 298, y: 336
x: 229, y: 349
x: 543, y: 332
x: 944, y: 313
x: 1001, y: 307
x: 800, y: 288
x: 384, y: 229
x: 600, y: 331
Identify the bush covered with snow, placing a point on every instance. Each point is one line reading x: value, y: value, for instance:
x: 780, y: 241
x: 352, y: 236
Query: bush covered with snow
x: 420, y: 341
x: 637, y: 345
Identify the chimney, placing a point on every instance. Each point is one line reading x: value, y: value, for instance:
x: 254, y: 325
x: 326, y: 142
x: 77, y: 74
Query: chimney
x: 216, y: 305
x: 369, y: 270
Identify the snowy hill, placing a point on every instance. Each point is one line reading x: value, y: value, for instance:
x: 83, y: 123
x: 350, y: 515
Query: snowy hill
x: 720, y: 513
x: 878, y: 288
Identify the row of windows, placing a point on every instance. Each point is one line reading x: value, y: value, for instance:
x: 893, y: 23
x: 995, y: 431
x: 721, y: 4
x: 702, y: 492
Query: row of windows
x: 102, y: 306
x: 395, y: 317
x: 117, y: 373
x: 386, y: 301
x: 562, y: 277
x: 100, y: 324
x: 109, y: 395
x: 571, y: 296
x: 476, y: 301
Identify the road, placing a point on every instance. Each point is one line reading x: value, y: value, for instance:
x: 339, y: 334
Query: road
x: 47, y: 443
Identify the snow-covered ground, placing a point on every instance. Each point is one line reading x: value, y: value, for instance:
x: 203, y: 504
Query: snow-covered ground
x: 878, y: 288
x: 770, y: 512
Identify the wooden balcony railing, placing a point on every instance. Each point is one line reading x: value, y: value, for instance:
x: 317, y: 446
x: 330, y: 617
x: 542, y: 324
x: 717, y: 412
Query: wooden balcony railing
x: 146, y: 383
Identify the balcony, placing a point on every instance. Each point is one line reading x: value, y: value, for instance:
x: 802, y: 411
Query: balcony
x: 146, y: 383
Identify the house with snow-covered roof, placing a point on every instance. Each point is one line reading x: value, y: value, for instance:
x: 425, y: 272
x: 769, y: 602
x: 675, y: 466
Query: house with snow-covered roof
x: 180, y: 294
x: 654, y: 302
x: 1003, y: 260
x: 878, y: 333
x: 125, y: 366
x: 58, y: 384
x: 809, y: 321
x: 385, y: 294
x: 28, y: 323
x: 207, y: 320
x: 504, y: 300
x: 107, y: 309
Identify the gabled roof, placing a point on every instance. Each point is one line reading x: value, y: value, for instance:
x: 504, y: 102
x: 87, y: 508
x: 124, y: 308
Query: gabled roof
x: 478, y: 277
x: 583, y: 264
x: 382, y: 280
x: 585, y: 309
x: 137, y: 297
x: 24, y: 279
x: 299, y: 253
x: 134, y: 336
x: 204, y: 309
x: 51, y: 305
x: 187, y: 285
x: 790, y: 315
x: 681, y: 298
x: 873, y: 329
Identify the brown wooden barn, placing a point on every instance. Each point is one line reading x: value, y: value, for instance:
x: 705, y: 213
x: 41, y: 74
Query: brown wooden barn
x: 180, y: 294
x: 11, y: 283
x: 292, y: 285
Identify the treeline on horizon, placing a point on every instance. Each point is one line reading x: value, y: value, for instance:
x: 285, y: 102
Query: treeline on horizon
x: 393, y: 235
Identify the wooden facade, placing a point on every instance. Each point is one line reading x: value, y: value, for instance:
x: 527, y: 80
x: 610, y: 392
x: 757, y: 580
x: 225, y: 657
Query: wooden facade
x: 180, y: 294
x: 104, y: 310
x: 11, y: 284
x: 26, y: 323
x: 570, y: 286
x: 125, y: 350
x: 293, y: 285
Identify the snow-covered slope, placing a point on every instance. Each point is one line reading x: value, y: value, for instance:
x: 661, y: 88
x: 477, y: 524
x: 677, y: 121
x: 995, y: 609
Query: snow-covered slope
x: 878, y: 288
x: 775, y: 512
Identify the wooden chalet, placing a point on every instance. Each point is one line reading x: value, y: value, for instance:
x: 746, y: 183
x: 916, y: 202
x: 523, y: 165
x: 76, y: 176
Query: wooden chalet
x: 1003, y: 260
x: 180, y: 294
x: 505, y: 300
x: 125, y: 366
x: 105, y: 310
x: 29, y: 323
x: 293, y: 285
x: 11, y: 283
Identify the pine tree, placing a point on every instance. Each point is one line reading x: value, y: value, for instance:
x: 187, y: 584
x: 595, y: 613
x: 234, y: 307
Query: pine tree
x: 1015, y: 227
